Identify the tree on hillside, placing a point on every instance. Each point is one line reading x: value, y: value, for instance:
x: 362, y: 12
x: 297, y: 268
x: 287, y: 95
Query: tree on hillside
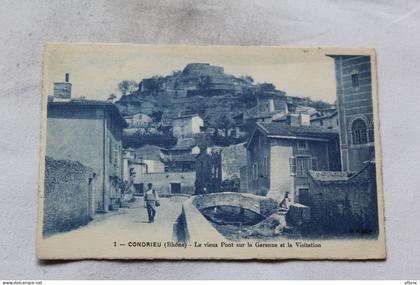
x: 267, y: 87
x: 111, y: 98
x: 320, y: 105
x: 127, y: 87
x: 157, y: 116
x: 247, y: 78
x: 225, y: 123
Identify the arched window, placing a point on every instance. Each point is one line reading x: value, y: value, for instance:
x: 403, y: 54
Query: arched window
x: 359, y: 132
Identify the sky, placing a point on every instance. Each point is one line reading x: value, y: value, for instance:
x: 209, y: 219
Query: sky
x: 96, y: 70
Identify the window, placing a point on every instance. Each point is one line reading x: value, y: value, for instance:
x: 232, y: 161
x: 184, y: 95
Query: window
x: 359, y: 132
x: 292, y: 164
x: 302, y: 165
x: 371, y: 135
x: 314, y: 163
x: 115, y: 156
x: 266, y: 165
x: 355, y: 80
x: 303, y: 195
x: 255, y: 171
x: 302, y: 145
x: 214, y: 171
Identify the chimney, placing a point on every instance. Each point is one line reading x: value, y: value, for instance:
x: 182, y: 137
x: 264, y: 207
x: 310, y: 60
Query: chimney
x: 298, y: 120
x: 294, y: 120
x: 305, y: 119
x: 62, y: 90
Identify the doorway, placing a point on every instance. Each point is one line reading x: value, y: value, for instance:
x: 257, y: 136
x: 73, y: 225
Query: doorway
x: 175, y: 188
x: 304, y: 196
x: 91, y: 198
x: 139, y: 188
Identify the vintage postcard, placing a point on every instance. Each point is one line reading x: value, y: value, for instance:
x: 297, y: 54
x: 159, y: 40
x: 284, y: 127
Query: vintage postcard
x: 209, y: 152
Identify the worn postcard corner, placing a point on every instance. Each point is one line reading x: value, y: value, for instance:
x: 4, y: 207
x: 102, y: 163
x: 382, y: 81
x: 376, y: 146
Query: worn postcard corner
x: 209, y: 152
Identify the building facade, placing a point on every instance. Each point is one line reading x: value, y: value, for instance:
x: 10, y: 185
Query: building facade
x: 355, y: 110
x: 89, y: 132
x: 218, y: 168
x: 329, y: 121
x: 187, y: 125
x: 280, y: 156
x: 181, y: 157
x: 138, y: 120
x: 269, y: 103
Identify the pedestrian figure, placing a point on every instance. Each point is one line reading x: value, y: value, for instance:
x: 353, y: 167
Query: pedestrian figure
x: 285, y: 203
x: 151, y: 201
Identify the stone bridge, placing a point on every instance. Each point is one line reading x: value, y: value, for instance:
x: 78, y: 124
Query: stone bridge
x: 261, y: 205
x: 192, y: 225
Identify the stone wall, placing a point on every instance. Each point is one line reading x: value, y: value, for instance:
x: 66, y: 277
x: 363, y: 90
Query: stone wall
x: 348, y: 205
x: 66, y: 195
x: 233, y: 158
x: 257, y: 154
x: 208, y: 171
x: 298, y: 215
x: 258, y: 204
x: 193, y: 226
x: 218, y: 168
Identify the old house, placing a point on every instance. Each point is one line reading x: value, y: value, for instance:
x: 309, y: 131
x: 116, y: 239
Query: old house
x: 218, y: 168
x: 279, y: 157
x: 181, y: 157
x: 346, y: 201
x: 187, y: 125
x: 89, y: 132
x: 138, y: 120
x: 270, y: 104
x: 128, y: 156
x: 171, y: 171
x: 355, y: 110
x: 328, y: 120
x: 145, y: 160
x: 293, y: 119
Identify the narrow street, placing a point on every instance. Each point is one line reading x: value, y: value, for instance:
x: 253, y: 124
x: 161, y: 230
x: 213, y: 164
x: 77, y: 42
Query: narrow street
x: 128, y: 224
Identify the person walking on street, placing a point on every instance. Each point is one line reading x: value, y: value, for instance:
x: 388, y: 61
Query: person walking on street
x: 151, y: 201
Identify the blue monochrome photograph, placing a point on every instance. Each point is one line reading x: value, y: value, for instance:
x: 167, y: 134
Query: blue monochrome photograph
x: 209, y: 152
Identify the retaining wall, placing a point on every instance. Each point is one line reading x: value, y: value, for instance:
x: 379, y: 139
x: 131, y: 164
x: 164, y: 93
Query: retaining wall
x: 66, y: 195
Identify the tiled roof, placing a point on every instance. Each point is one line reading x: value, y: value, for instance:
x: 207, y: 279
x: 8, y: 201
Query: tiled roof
x: 325, y: 116
x: 186, y: 116
x: 151, y: 152
x: 116, y: 115
x: 280, y: 129
x: 186, y: 143
x: 183, y: 157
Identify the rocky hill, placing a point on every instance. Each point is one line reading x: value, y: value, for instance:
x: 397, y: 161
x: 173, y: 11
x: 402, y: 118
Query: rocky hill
x: 200, y: 88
